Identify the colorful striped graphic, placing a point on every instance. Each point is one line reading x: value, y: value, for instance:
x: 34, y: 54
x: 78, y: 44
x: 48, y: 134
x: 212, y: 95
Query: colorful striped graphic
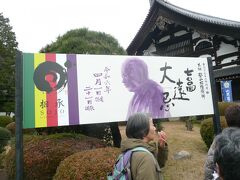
x: 51, y: 97
x: 40, y: 97
x: 48, y: 89
x: 28, y: 91
x: 72, y: 89
x: 72, y: 86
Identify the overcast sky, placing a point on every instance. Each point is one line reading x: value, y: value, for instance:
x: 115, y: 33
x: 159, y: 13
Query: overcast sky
x: 38, y: 22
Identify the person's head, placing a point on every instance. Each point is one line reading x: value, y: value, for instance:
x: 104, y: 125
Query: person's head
x: 227, y: 154
x: 232, y: 115
x: 140, y: 126
x: 134, y: 73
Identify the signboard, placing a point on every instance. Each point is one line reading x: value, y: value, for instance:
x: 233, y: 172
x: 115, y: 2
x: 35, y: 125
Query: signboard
x: 226, y: 88
x: 69, y: 89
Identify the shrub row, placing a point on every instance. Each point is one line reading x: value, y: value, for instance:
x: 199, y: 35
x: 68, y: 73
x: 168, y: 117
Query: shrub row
x: 42, y: 154
x: 5, y: 120
x: 101, y: 131
x: 207, y: 129
x: 5, y: 136
x: 12, y: 128
x: 88, y: 165
x: 223, y: 105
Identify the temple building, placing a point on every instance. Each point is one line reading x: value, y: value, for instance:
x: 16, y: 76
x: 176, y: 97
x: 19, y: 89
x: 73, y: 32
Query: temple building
x: 169, y: 30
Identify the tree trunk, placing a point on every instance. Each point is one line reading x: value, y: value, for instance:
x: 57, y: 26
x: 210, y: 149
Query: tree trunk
x: 116, y: 134
x: 189, y: 125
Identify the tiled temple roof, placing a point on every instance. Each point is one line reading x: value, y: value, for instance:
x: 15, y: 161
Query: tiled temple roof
x: 204, y: 23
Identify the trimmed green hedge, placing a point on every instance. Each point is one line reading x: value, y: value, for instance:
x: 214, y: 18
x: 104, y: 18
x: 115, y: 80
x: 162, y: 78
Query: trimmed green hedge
x: 12, y: 128
x: 223, y: 105
x: 5, y: 136
x: 5, y: 120
x: 88, y: 165
x: 207, y: 129
x: 42, y: 154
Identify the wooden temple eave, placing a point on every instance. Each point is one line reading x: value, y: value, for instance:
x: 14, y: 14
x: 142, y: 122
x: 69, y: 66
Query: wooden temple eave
x: 201, y: 22
x: 227, y: 73
x: 163, y: 15
x: 172, y: 31
x: 227, y: 78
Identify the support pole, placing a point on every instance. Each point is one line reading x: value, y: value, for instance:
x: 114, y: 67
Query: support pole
x: 19, y: 115
x: 216, y: 117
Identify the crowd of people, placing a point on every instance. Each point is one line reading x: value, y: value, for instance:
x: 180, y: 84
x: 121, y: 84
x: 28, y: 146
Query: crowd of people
x: 223, y: 160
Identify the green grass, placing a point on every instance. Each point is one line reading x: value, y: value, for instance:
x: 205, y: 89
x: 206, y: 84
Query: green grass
x: 181, y: 139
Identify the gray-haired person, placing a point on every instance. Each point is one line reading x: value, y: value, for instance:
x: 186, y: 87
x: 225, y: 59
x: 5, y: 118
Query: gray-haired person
x: 232, y: 115
x: 141, y: 132
x: 227, y: 154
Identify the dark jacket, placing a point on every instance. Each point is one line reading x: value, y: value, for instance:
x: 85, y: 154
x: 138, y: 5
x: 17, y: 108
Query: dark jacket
x: 143, y: 166
x: 209, y: 166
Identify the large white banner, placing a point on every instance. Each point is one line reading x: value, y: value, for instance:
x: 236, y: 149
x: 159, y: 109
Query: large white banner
x: 68, y: 89
x: 111, y: 88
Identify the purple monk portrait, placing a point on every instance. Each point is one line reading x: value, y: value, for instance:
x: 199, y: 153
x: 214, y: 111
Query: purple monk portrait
x: 148, y: 95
